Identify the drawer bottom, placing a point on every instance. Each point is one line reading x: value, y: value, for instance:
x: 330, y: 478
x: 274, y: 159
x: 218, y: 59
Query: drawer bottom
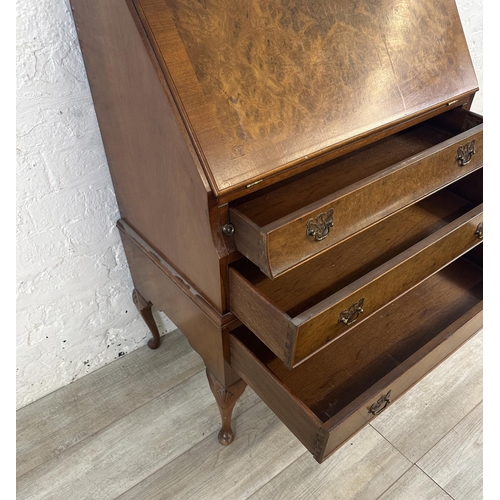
x: 329, y: 397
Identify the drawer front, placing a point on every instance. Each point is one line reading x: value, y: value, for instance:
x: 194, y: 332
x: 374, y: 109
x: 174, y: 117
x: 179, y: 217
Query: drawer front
x: 294, y: 339
x: 327, y: 399
x: 298, y: 236
x: 356, y: 302
x: 372, y: 403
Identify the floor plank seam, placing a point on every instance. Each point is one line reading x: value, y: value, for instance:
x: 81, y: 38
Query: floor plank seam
x: 111, y: 423
x: 277, y: 475
x: 213, y: 436
x: 436, y: 444
x: 446, y: 434
x: 438, y: 485
x: 78, y: 380
x: 416, y: 463
x: 392, y: 444
x: 396, y: 480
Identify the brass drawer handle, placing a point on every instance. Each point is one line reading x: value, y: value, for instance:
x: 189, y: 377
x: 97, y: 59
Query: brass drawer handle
x: 320, y: 226
x: 350, y: 316
x: 465, y: 152
x: 479, y: 231
x: 383, y: 402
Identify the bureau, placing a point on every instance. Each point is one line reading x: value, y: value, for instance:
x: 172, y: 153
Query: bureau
x: 300, y: 190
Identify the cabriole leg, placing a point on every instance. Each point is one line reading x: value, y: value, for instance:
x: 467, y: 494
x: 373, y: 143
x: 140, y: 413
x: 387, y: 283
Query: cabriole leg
x: 226, y: 399
x: 144, y: 308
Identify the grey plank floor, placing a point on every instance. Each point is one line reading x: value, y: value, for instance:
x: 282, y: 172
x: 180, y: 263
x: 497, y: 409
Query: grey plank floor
x: 145, y: 427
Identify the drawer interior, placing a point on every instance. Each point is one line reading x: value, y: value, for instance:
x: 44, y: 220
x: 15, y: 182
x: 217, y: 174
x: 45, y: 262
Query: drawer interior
x: 271, y: 204
x: 308, y: 284
x: 344, y: 370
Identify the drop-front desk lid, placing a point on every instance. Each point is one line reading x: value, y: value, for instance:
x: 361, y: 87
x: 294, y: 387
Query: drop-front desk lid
x: 264, y: 85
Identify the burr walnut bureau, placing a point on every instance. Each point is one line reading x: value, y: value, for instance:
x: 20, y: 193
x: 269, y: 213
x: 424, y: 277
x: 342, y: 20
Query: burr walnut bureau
x: 300, y: 186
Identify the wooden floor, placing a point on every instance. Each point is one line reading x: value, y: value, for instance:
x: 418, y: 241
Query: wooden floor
x: 146, y: 426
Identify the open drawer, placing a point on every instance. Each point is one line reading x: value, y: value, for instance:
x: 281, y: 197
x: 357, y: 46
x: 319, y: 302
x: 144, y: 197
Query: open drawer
x: 315, y: 304
x: 328, y: 398
x: 282, y: 226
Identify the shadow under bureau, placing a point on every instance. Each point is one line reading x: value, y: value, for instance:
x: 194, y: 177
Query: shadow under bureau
x: 300, y: 189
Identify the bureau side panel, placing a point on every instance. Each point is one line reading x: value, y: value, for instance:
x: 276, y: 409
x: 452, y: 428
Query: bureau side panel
x: 203, y: 335
x: 159, y: 185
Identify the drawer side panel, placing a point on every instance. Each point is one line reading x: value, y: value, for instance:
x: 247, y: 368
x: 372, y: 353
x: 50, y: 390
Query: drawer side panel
x: 322, y: 324
x: 349, y: 420
x: 367, y: 202
x: 290, y: 410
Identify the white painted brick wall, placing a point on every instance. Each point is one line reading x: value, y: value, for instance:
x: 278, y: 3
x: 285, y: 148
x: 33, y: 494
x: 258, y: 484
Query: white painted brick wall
x: 75, y: 312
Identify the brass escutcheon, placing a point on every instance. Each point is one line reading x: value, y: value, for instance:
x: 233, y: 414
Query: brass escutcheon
x: 479, y: 231
x: 350, y: 316
x: 465, y: 152
x: 319, y: 227
x: 383, y: 402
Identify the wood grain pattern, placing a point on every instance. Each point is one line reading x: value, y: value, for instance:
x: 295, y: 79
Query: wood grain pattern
x: 361, y: 189
x: 264, y: 448
x: 415, y: 484
x: 160, y: 286
x: 396, y: 383
x: 266, y: 460
x: 151, y: 162
x: 384, y: 284
x: 393, y: 351
x: 339, y: 266
x: 88, y: 405
x: 453, y: 291
x: 456, y: 462
x: 298, y: 313
x: 104, y: 467
x: 312, y: 161
x: 452, y: 391
x: 273, y: 203
x: 266, y: 85
x: 202, y: 103
x: 361, y: 469
x: 226, y: 398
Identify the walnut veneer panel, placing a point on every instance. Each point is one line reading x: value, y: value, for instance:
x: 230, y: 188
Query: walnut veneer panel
x: 263, y: 85
x: 315, y: 304
x: 205, y: 102
x: 357, y: 190
x: 328, y: 398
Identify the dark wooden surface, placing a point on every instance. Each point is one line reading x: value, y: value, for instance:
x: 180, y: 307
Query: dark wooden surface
x: 262, y: 86
x: 159, y: 185
x: 361, y: 189
x: 159, y: 284
x: 396, y: 347
x: 384, y: 284
x: 338, y: 429
x: 191, y: 121
x: 145, y: 310
x: 298, y: 313
x: 226, y: 398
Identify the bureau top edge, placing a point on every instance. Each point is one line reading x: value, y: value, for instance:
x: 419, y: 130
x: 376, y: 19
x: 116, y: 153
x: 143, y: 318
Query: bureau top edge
x: 267, y: 91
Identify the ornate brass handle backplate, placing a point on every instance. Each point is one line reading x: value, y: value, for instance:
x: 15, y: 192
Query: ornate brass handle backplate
x: 319, y: 227
x: 350, y: 316
x: 378, y: 407
x: 465, y: 152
